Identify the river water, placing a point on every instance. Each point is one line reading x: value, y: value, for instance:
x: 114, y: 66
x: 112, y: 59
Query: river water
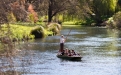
x: 100, y: 49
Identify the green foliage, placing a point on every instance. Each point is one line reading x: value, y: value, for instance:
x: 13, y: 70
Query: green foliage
x: 22, y: 32
x: 11, y: 17
x: 115, y: 21
x: 42, y: 21
x: 68, y: 23
x: 42, y: 31
x: 73, y: 22
x: 88, y: 21
x: 110, y: 23
x: 31, y: 18
x: 47, y: 32
x: 112, y: 5
x: 60, y: 18
x: 54, y: 27
x: 16, y: 32
x: 39, y: 30
x: 104, y: 7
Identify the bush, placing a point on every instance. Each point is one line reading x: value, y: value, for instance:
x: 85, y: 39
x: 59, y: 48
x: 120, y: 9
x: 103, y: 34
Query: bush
x: 117, y: 20
x: 54, y: 27
x: 110, y: 23
x: 38, y: 32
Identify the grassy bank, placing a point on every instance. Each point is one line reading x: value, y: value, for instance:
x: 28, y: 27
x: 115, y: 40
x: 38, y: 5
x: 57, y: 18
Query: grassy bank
x: 9, y: 33
x: 19, y: 31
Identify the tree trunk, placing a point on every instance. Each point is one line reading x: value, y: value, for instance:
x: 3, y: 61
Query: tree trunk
x: 49, y: 13
x: 49, y: 17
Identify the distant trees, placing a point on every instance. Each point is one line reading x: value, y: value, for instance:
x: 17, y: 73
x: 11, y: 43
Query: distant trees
x: 56, y: 6
x: 17, y: 9
x: 20, y: 8
x: 103, y: 9
x: 53, y: 7
x: 4, y: 9
x: 99, y: 10
x: 96, y: 10
x: 12, y: 7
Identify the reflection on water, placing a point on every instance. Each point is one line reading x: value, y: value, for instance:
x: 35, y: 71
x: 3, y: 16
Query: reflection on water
x: 99, y: 47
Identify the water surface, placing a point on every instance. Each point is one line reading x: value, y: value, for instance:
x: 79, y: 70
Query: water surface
x: 99, y: 47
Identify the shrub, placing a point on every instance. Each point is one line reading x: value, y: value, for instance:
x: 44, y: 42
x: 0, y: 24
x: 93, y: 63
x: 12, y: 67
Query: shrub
x: 117, y: 20
x: 114, y: 21
x: 38, y: 32
x: 54, y: 27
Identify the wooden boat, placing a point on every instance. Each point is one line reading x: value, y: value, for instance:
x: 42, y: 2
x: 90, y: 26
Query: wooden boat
x: 73, y: 57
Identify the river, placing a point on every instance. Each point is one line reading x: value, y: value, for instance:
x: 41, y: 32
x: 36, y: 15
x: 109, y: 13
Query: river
x: 100, y: 49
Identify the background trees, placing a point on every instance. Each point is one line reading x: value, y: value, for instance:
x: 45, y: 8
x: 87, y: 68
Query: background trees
x: 56, y: 6
x: 53, y: 7
x: 103, y: 9
x: 87, y: 10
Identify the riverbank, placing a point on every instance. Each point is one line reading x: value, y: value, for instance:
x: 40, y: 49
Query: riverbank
x: 10, y: 34
x: 27, y: 31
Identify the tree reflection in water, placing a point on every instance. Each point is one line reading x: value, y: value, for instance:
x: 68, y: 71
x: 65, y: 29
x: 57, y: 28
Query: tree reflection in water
x: 12, y: 58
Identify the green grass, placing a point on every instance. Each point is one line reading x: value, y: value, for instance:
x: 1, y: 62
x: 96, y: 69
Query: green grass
x: 16, y: 31
x: 19, y: 31
x: 69, y: 23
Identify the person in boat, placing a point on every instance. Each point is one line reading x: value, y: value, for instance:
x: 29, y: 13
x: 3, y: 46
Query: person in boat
x: 69, y: 53
x: 63, y: 52
x: 62, y: 41
x: 66, y: 51
x: 73, y: 52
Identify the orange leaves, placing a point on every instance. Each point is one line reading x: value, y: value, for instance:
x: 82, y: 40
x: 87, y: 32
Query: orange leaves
x: 31, y: 10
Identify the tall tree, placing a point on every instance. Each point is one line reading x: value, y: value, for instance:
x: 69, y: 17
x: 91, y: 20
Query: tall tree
x: 4, y: 10
x: 56, y: 6
x: 103, y: 8
x: 52, y: 7
x: 99, y: 9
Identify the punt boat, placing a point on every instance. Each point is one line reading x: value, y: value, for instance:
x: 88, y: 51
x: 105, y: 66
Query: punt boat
x: 72, y: 57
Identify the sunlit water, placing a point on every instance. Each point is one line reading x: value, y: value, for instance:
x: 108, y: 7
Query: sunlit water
x: 99, y: 47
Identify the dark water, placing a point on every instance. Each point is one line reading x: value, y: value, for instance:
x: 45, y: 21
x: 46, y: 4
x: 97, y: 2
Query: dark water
x: 99, y: 47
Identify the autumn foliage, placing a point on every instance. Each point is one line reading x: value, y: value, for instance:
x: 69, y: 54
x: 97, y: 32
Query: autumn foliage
x: 20, y: 9
x: 33, y: 13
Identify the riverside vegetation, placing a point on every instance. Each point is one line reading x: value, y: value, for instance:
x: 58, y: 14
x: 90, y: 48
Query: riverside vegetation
x: 12, y: 33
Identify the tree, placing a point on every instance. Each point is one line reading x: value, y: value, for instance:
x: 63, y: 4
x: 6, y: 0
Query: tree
x: 103, y: 8
x: 53, y: 7
x: 99, y: 10
x: 4, y: 10
x: 56, y: 6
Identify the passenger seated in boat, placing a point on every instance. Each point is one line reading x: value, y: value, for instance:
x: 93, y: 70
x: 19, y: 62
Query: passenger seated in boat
x: 73, y: 52
x: 63, y: 52
x: 69, y: 53
x: 66, y: 51
x: 78, y: 54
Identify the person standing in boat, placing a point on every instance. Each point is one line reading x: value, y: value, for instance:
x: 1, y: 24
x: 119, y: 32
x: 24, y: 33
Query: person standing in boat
x: 62, y: 41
